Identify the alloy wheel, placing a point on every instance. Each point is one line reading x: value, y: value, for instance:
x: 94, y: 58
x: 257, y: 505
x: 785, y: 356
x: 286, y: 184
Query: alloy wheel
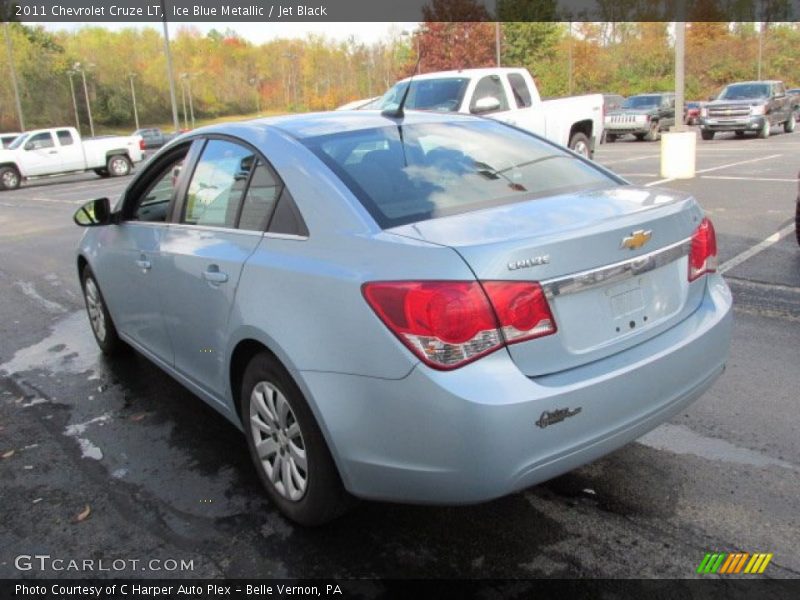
x: 94, y: 305
x: 278, y: 441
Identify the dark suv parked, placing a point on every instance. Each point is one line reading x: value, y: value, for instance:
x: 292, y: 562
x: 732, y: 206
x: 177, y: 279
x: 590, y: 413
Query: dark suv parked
x: 644, y: 116
x: 753, y: 106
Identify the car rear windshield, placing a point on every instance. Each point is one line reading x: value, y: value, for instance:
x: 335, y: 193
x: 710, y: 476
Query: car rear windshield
x: 744, y: 91
x: 443, y: 95
x: 409, y: 173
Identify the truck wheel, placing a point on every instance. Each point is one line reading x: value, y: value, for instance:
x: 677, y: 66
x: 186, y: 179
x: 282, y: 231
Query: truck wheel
x: 9, y: 178
x: 102, y: 172
x: 118, y: 166
x: 579, y: 144
x: 707, y: 135
x: 286, y: 444
x: 639, y: 136
x: 654, y: 134
x: 788, y: 127
x: 763, y: 133
x: 739, y: 133
x: 611, y: 138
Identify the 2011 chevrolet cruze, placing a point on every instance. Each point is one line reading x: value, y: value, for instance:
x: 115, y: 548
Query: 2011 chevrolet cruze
x: 421, y: 308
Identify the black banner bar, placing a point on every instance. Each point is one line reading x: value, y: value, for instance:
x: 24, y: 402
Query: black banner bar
x: 731, y: 588
x: 397, y: 10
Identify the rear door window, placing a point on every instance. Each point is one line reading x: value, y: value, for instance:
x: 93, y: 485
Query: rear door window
x: 522, y: 95
x: 64, y: 137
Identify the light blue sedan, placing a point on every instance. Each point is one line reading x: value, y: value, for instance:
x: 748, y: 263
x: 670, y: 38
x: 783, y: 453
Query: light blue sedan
x: 427, y: 308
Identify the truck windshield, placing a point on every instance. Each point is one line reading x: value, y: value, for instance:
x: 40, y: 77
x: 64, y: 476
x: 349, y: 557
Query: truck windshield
x: 642, y: 102
x: 411, y: 173
x: 18, y: 142
x: 444, y: 94
x: 744, y: 91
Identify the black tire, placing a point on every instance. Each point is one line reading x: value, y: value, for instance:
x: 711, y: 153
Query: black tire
x: 707, y: 135
x: 106, y: 337
x: 788, y: 126
x: 655, y: 132
x: 102, y: 172
x: 764, y: 132
x: 580, y: 143
x: 118, y: 165
x: 9, y: 178
x: 611, y: 138
x: 324, y: 497
x: 739, y: 133
x: 639, y: 136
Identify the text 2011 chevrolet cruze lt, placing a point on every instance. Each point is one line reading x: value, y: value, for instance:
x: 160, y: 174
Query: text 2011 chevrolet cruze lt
x: 420, y: 308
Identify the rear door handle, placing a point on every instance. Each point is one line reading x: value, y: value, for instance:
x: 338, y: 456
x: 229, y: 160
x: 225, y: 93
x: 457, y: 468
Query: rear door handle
x: 214, y: 275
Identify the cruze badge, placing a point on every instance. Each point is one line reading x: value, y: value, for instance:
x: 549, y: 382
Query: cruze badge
x: 526, y: 263
x: 637, y: 239
x: 551, y: 417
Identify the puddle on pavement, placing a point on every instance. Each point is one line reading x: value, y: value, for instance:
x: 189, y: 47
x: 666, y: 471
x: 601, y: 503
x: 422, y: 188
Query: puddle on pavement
x: 679, y: 439
x: 69, y: 348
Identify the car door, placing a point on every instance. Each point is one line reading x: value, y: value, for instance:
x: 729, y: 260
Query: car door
x: 131, y: 270
x: 70, y: 151
x: 217, y: 227
x: 39, y: 155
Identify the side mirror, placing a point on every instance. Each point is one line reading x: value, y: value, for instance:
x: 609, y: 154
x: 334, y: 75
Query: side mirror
x: 29, y: 146
x: 93, y: 213
x: 486, y: 104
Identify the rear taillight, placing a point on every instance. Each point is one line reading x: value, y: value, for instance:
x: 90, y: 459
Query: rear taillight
x: 448, y: 324
x: 703, y: 255
x: 141, y: 144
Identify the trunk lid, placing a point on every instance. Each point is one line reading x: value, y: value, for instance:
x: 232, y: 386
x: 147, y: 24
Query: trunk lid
x: 604, y: 297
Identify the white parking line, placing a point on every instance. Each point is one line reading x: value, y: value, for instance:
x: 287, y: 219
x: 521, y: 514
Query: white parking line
x: 719, y: 168
x: 760, y: 247
x: 635, y: 158
x: 794, y: 180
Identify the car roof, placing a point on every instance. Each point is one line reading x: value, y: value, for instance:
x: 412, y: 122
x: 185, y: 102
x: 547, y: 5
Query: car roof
x: 761, y: 81
x: 323, y: 123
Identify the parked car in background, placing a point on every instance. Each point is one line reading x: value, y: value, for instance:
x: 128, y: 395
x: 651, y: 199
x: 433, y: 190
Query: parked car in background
x: 508, y: 95
x: 644, y: 116
x: 61, y: 150
x: 8, y: 138
x: 748, y: 106
x: 610, y: 102
x: 693, y: 112
x: 154, y: 137
x: 437, y: 308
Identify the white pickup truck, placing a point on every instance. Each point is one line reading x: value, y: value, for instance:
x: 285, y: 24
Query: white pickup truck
x: 60, y: 150
x: 508, y: 95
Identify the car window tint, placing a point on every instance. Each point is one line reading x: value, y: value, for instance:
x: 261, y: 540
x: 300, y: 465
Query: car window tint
x: 260, y: 199
x: 287, y: 218
x: 522, y: 94
x: 490, y: 87
x: 440, y: 169
x: 64, y: 137
x: 218, y: 182
x: 41, y: 140
x: 153, y: 205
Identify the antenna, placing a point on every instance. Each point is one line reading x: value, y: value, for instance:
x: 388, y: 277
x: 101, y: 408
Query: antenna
x: 398, y: 112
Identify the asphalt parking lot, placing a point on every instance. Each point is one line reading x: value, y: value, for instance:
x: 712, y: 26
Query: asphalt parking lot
x: 164, y: 477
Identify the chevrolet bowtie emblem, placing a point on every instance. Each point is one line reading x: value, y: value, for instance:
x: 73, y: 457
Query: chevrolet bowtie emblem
x: 637, y: 239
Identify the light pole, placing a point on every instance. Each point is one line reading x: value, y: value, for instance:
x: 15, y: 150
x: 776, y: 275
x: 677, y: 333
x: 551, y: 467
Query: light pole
x: 408, y: 33
x: 14, y: 78
x: 131, y: 76
x: 760, y: 47
x: 292, y: 78
x: 175, y: 121
x: 70, y: 73
x: 256, y: 83
x: 497, y: 41
x: 183, y: 103
x: 187, y: 78
x: 79, y: 68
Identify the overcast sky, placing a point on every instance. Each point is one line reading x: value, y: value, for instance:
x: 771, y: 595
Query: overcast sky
x: 262, y: 32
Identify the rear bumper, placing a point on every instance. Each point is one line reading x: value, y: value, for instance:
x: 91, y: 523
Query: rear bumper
x: 471, y: 435
x: 741, y: 124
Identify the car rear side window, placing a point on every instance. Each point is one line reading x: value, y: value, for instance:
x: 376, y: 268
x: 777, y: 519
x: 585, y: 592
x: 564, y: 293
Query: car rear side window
x: 64, y: 137
x: 439, y: 169
x: 522, y: 94
x: 259, y: 201
x: 218, y: 184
